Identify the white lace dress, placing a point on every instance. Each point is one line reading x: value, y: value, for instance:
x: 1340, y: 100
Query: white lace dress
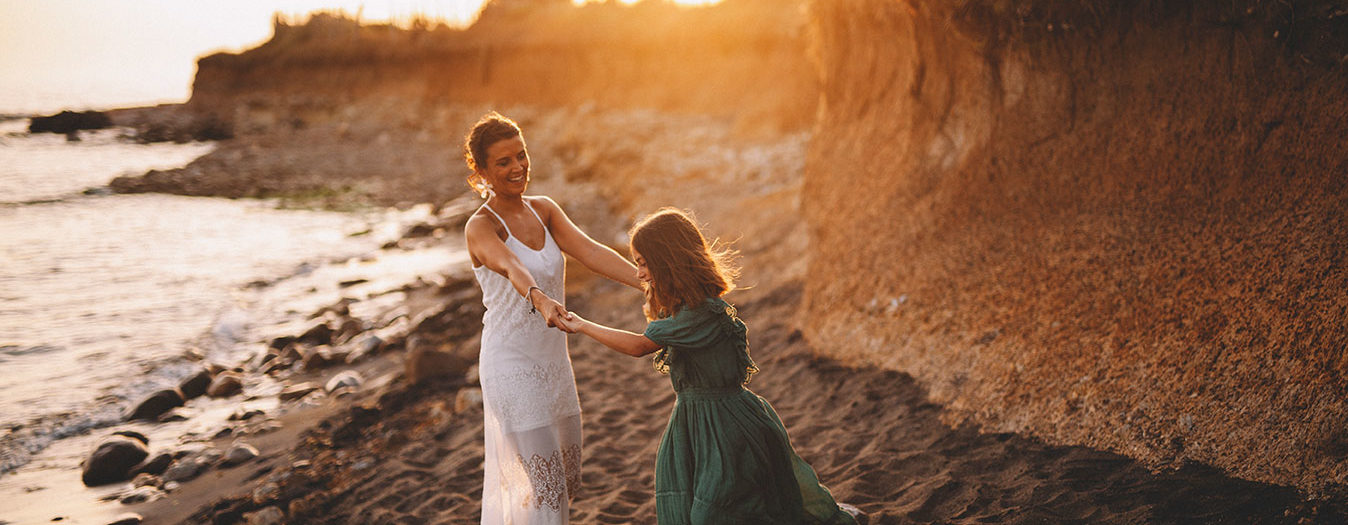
x: 532, y: 412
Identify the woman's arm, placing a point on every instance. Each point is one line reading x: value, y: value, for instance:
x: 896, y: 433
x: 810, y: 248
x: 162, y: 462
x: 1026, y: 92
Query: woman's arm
x: 591, y: 253
x: 635, y: 345
x: 486, y: 247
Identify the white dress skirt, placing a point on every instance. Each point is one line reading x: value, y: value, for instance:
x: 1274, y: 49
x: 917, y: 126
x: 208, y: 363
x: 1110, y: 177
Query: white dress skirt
x: 530, y: 406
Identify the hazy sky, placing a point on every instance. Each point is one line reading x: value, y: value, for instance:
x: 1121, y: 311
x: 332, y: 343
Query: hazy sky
x: 79, y: 54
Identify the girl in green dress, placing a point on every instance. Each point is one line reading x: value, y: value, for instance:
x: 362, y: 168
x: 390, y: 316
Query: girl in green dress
x: 725, y: 457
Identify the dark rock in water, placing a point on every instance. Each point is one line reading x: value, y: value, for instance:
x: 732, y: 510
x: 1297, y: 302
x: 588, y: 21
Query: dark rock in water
x: 159, y: 402
x: 224, y: 385
x: 112, y: 461
x: 67, y: 122
x: 281, y: 342
x: 155, y: 465
x: 320, y: 334
x: 133, y: 435
x: 128, y: 519
x: 195, y: 386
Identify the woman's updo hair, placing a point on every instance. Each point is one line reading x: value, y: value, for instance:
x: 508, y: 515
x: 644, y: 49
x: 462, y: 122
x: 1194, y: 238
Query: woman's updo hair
x: 490, y: 129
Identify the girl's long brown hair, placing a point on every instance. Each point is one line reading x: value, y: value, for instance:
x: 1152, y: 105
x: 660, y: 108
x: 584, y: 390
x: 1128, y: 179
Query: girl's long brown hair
x: 685, y: 268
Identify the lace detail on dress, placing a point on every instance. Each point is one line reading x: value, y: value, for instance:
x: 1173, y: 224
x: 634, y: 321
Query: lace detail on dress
x: 552, y: 395
x: 554, y: 478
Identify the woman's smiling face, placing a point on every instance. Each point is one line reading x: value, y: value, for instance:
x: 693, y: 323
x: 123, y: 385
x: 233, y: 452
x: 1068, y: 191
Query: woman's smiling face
x: 507, y: 167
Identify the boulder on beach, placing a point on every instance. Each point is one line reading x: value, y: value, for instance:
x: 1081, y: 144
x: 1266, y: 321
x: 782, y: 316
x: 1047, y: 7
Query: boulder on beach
x: 159, y: 402
x: 225, y: 384
x: 196, y: 384
x: 425, y: 361
x: 112, y: 460
x: 154, y: 465
x: 184, y: 469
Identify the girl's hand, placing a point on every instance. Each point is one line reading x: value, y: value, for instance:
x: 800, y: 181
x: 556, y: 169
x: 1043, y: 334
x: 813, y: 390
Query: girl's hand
x: 570, y: 322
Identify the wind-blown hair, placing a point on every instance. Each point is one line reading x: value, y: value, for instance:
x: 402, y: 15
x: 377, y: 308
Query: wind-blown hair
x: 685, y: 268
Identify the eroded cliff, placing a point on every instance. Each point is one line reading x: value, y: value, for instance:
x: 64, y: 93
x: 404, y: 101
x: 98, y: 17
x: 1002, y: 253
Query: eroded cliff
x: 1115, y: 226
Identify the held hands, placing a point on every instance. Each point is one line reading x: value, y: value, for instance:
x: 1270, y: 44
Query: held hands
x: 552, y: 311
x: 570, y: 323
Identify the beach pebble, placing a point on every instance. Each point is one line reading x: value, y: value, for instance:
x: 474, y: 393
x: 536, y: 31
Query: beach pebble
x: 363, y: 348
x: 240, y: 453
x: 225, y: 384
x: 266, y: 493
x: 266, y: 516
x: 210, y: 455
x: 172, y: 416
x: 112, y: 460
x: 170, y: 486
x: 245, y: 415
x: 468, y: 398
x: 141, y: 495
x: 195, y: 385
x: 320, y: 334
x: 155, y: 465
x: 184, y: 470
x: 347, y: 378
x: 159, y: 402
x: 145, y: 480
x: 128, y: 519
x: 297, y: 391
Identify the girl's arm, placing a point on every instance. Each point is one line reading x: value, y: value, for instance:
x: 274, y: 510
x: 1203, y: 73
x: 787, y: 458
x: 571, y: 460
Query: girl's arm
x: 635, y: 345
x: 595, y: 256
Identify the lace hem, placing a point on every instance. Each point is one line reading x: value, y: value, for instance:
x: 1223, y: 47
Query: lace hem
x: 554, y: 478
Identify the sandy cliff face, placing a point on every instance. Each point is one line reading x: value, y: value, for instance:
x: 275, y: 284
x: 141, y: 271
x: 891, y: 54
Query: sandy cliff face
x: 1119, y: 228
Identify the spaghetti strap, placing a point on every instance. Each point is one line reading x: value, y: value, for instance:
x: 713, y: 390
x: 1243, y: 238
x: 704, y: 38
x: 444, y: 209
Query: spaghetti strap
x: 536, y: 216
x: 498, y: 217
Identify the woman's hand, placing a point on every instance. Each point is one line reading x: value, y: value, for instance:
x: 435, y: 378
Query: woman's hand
x: 571, y: 323
x: 552, y: 311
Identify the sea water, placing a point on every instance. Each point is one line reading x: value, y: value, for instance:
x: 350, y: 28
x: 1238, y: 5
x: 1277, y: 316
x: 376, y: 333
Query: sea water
x: 103, y: 295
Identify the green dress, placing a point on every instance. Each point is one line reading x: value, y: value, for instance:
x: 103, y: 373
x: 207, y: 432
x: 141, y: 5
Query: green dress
x: 725, y: 457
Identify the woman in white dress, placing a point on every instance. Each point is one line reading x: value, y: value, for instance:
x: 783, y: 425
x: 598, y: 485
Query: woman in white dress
x: 531, y: 411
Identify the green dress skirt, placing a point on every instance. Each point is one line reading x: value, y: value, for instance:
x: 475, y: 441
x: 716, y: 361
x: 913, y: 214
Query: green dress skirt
x: 725, y: 457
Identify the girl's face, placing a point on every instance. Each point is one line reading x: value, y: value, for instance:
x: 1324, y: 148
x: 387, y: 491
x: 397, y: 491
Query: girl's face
x: 642, y: 272
x: 507, y: 167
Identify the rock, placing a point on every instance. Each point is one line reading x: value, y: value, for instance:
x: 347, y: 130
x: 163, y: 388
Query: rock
x: 209, y: 456
x: 141, y: 495
x: 320, y: 334
x: 184, y: 470
x: 133, y: 435
x: 240, y: 453
x: 215, y: 368
x: 468, y: 398
x: 171, y: 416
x: 290, y: 354
x: 245, y: 415
x: 364, y: 347
x: 145, y: 480
x: 347, y: 378
x: 67, y: 122
x: 112, y: 460
x: 225, y: 384
x: 281, y: 342
x: 266, y: 516
x: 297, y: 391
x: 316, y: 358
x: 195, y: 385
x: 155, y: 465
x: 266, y: 493
x: 426, y: 362
x: 128, y: 519
x: 349, y: 327
x: 159, y: 402
x: 170, y: 486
